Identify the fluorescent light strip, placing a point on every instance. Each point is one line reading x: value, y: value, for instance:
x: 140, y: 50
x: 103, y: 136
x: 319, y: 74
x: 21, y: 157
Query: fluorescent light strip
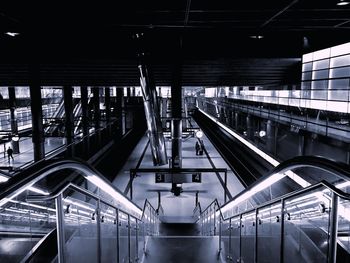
x: 67, y: 200
x: 33, y: 205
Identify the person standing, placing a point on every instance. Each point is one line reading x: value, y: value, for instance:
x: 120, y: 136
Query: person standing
x: 10, y: 153
x: 197, y: 148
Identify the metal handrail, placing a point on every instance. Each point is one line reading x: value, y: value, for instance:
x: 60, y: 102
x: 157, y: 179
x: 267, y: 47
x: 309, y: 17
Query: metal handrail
x: 22, y: 181
x: 339, y: 169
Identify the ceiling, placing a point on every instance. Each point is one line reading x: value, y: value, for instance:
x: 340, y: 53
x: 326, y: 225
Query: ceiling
x: 92, y: 44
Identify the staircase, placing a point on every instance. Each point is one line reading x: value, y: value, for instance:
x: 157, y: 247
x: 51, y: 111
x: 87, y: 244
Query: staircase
x: 181, y: 243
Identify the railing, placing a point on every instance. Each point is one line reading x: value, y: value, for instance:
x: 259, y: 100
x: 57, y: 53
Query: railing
x: 303, y: 226
x: 94, y: 221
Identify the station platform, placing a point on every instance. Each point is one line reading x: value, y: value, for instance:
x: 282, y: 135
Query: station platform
x: 144, y: 186
x: 26, y: 155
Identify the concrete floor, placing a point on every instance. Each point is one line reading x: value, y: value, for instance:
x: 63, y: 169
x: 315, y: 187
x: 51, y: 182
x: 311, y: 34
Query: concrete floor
x: 177, y: 209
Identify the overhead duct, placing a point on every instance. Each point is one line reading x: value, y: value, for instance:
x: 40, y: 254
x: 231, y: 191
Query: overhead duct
x: 152, y: 110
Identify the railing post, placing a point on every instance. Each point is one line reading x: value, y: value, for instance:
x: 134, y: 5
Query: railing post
x: 256, y: 236
x: 98, y: 223
x: 333, y: 231
x: 282, y: 231
x: 117, y: 223
x: 214, y: 214
x: 225, y: 197
x: 137, y: 239
x: 129, y: 240
x: 60, y: 229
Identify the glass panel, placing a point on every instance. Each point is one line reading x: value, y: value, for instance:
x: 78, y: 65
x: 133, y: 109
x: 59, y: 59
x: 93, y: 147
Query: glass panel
x: 344, y: 224
x: 319, y: 94
x: 321, y: 64
x: 320, y: 74
x: 225, y: 238
x: 340, y: 50
x: 269, y: 233
x: 109, y: 235
x: 307, y: 66
x: 339, y: 72
x: 80, y: 226
x: 133, y: 240
x: 235, y: 239
x: 123, y: 238
x: 341, y: 95
x: 306, y: 75
x: 306, y: 227
x: 339, y: 83
x: 320, y: 54
x: 307, y: 57
x: 141, y: 238
x: 248, y: 237
x: 319, y: 84
x: 23, y: 225
x: 340, y: 61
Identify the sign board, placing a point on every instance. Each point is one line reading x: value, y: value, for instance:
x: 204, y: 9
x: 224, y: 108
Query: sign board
x: 196, y: 178
x: 160, y: 178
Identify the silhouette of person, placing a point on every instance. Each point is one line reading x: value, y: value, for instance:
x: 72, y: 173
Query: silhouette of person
x: 9, y: 153
x: 198, y: 147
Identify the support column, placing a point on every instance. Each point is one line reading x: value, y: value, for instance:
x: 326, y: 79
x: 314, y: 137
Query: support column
x: 250, y: 129
x: 302, y: 144
x: 85, y: 119
x: 13, y: 118
x: 108, y: 104
x: 96, y: 105
x: 271, y: 137
x: 37, y: 120
x: 119, y: 111
x: 69, y: 119
x: 236, y: 120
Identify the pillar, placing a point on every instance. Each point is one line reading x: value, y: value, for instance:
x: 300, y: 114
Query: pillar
x: 96, y: 106
x: 119, y: 112
x: 271, y: 137
x: 108, y: 104
x: 85, y: 119
x: 250, y: 129
x: 301, y: 144
x: 69, y: 119
x: 13, y: 118
x: 38, y: 137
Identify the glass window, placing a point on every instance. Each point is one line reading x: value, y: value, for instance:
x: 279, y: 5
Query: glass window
x: 319, y: 94
x: 306, y: 85
x: 307, y: 57
x: 306, y: 94
x: 339, y: 72
x: 4, y: 92
x: 307, y: 66
x: 340, y: 95
x: 320, y: 74
x: 340, y: 61
x: 321, y: 54
x: 321, y: 64
x: 319, y: 84
x: 340, y: 50
x: 339, y: 84
x: 306, y: 75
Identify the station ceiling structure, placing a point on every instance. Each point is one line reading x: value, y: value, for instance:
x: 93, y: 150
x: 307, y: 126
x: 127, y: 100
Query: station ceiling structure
x: 243, y: 43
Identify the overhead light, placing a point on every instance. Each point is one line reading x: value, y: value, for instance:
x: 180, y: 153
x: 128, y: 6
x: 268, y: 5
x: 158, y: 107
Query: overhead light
x: 257, y: 36
x: 343, y: 2
x: 12, y: 34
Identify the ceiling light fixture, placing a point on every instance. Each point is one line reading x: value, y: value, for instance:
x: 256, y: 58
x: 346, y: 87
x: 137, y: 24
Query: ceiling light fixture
x: 257, y: 36
x: 343, y: 2
x: 12, y: 34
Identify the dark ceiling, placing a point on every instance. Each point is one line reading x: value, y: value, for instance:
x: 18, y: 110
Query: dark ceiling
x: 92, y: 44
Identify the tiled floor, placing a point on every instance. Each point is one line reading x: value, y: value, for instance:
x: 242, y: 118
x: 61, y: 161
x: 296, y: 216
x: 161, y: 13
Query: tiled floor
x: 26, y: 151
x: 144, y: 186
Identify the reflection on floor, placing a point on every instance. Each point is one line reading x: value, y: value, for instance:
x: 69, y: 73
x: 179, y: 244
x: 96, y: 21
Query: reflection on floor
x: 177, y: 209
x: 26, y: 152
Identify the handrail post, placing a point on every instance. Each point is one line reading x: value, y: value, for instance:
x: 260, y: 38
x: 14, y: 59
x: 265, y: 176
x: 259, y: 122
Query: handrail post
x: 98, y: 225
x: 117, y: 223
x: 333, y: 231
x: 129, y: 240
x: 60, y: 229
x: 282, y: 231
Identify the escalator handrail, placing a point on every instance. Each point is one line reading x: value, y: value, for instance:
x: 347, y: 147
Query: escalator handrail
x: 29, y: 177
x: 323, y: 183
x: 70, y: 185
x: 340, y: 169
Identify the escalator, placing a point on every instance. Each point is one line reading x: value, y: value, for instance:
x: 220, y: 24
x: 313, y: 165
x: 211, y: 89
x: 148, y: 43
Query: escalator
x: 311, y: 224
x: 66, y: 211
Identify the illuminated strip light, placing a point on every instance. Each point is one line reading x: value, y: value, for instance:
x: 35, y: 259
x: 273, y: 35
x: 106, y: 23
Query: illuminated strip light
x: 114, y: 193
x: 79, y: 205
x: 33, y: 205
